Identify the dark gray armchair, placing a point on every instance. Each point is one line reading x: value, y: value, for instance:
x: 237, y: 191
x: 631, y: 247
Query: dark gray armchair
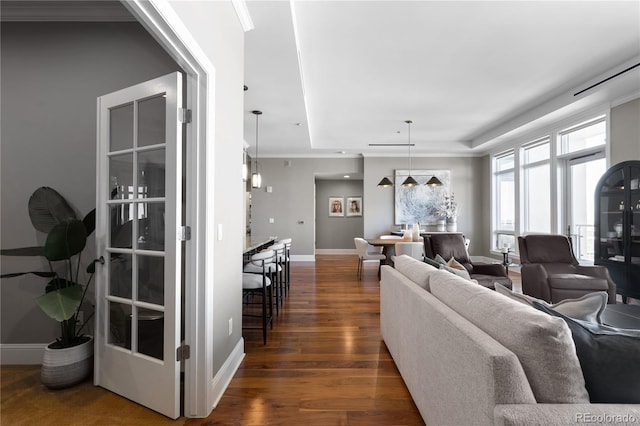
x: 551, y: 272
x: 449, y: 245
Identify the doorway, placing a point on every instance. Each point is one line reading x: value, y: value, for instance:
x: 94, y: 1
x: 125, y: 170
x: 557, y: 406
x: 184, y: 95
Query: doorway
x: 583, y: 174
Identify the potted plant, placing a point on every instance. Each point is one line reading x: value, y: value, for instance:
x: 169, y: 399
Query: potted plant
x: 449, y: 211
x: 69, y: 359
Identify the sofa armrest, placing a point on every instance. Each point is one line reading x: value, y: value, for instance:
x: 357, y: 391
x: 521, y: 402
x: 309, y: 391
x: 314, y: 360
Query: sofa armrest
x: 489, y: 269
x: 566, y: 414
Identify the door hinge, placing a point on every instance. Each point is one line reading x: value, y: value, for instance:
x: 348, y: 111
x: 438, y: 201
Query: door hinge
x: 183, y: 352
x: 184, y: 115
x: 185, y: 233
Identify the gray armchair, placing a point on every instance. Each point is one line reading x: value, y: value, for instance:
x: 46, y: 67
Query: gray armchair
x: 551, y: 272
x: 449, y: 245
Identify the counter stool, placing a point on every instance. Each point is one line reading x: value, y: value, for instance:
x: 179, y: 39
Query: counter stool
x: 286, y: 262
x: 259, y: 283
x: 274, y: 270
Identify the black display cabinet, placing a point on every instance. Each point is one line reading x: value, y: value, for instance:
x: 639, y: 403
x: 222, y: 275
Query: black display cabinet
x: 617, y: 218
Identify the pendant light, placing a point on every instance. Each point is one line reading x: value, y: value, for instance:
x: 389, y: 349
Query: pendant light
x: 409, y: 181
x: 434, y: 181
x: 385, y: 183
x: 256, y: 179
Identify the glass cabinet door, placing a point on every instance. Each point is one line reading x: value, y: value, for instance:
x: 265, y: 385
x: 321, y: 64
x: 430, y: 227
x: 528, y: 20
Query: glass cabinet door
x: 634, y: 214
x: 612, y: 207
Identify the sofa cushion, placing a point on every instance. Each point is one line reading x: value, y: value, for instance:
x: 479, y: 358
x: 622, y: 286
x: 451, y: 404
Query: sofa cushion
x: 577, y: 281
x: 415, y: 270
x: 586, y: 308
x: 542, y: 343
x: 609, y: 359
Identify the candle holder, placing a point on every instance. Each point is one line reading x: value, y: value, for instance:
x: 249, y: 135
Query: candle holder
x: 505, y: 258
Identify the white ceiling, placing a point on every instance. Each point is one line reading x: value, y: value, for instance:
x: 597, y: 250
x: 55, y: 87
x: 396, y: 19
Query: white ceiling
x: 468, y: 73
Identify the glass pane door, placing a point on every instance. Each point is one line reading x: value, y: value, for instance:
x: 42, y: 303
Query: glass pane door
x: 583, y: 177
x: 138, y: 217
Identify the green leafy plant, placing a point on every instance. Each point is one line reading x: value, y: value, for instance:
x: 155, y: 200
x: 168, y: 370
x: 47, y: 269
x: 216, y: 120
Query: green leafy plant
x: 66, y: 239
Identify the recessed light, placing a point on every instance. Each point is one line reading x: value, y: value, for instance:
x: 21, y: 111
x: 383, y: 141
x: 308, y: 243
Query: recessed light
x: 298, y: 124
x: 347, y: 176
x: 341, y: 152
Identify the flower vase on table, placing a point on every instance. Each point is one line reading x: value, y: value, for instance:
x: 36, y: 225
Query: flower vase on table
x: 452, y: 224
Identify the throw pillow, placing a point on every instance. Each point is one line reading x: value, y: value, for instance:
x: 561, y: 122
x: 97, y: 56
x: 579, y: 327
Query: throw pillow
x: 460, y: 270
x: 608, y: 358
x: 463, y: 274
x: 586, y: 308
x: 432, y: 262
x: 440, y: 260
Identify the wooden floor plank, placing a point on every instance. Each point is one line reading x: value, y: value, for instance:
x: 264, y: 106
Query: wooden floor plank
x: 325, y: 362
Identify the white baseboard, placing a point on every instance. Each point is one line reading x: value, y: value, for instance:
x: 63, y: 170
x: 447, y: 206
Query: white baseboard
x: 336, y: 251
x: 303, y: 258
x: 22, y: 353
x: 227, y: 371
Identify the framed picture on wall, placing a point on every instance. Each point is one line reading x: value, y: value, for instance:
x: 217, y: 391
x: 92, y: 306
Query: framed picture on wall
x: 336, y: 206
x: 354, y: 206
x: 420, y: 204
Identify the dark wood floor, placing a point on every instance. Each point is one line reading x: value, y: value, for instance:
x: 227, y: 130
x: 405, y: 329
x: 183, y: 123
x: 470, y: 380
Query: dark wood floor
x: 324, y: 364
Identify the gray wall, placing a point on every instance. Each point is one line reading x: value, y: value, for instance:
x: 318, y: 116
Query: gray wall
x: 337, y: 232
x: 466, y: 184
x: 52, y: 74
x: 216, y: 28
x: 293, y: 198
x: 625, y: 132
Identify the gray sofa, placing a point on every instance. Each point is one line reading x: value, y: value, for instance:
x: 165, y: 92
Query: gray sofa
x: 471, y: 356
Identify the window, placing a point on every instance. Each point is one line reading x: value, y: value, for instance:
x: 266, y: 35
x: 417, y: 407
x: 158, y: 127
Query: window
x: 504, y: 197
x: 582, y: 165
x: 545, y: 184
x: 586, y: 135
x: 536, y: 184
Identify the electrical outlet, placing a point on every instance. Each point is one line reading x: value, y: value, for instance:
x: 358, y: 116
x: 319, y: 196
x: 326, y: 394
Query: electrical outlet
x: 230, y: 326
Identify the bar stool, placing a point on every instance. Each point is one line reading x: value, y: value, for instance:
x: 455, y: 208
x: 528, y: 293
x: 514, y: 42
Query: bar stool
x: 286, y: 264
x: 274, y: 269
x: 259, y: 283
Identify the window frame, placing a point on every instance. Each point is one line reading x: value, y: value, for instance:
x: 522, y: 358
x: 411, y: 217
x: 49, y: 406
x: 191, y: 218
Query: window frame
x: 558, y: 169
x: 525, y: 211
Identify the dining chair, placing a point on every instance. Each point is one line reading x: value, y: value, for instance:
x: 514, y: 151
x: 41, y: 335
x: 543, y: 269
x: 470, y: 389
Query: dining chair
x: 259, y: 284
x: 366, y: 253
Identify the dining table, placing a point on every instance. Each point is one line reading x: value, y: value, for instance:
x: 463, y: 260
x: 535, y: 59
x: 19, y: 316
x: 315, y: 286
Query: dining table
x: 388, y: 246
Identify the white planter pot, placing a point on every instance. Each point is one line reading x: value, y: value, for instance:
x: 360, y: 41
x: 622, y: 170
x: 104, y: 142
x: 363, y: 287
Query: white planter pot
x: 66, y: 367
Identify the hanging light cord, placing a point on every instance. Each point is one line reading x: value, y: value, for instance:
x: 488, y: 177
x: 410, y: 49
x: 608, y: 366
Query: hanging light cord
x: 257, y: 115
x: 409, y: 125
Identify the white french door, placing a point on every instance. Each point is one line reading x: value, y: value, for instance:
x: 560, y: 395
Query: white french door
x: 138, y: 218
